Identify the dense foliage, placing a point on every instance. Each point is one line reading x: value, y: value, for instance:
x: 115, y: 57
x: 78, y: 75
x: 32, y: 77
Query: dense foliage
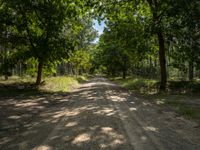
x: 149, y: 38
x: 143, y: 37
x: 47, y: 31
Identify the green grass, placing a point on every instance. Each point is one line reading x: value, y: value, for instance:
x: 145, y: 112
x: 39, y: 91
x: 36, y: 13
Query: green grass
x: 17, y: 79
x: 181, y: 96
x: 61, y: 84
x: 25, y: 85
x: 151, y: 86
x: 140, y: 85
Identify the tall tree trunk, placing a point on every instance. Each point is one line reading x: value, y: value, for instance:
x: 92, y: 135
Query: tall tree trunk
x: 157, y: 19
x: 150, y: 62
x: 124, y: 74
x: 191, y: 70
x: 5, y: 57
x: 4, y: 61
x: 163, y: 73
x: 124, y: 68
x: 39, y: 72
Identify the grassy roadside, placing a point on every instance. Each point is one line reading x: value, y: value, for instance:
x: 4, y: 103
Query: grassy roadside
x: 61, y: 84
x: 25, y: 85
x: 183, y: 97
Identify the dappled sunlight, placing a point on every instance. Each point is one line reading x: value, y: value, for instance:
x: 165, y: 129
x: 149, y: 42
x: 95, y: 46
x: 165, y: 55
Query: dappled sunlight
x: 54, y: 137
x: 62, y: 100
x: 81, y: 138
x: 20, y: 113
x: 14, y: 117
x: 146, y: 103
x: 41, y: 98
x: 106, y: 129
x: 150, y: 128
x: 71, y: 124
x: 90, y: 97
x: 45, y: 102
x: 59, y: 114
x: 77, y: 111
x: 117, y: 98
x: 27, y: 104
x: 74, y: 112
x: 160, y: 102
x: 85, y: 117
x: 85, y: 93
x: 113, y: 139
x: 113, y: 144
x: 95, y: 117
x: 108, y: 84
x: 106, y: 111
x: 143, y: 138
x: 110, y: 131
x: 133, y: 109
x: 43, y: 147
x: 93, y: 84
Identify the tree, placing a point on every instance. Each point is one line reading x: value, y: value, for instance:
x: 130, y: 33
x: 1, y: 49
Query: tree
x: 185, y: 35
x: 44, y: 26
x: 157, y: 17
x: 119, y: 43
x: 81, y: 60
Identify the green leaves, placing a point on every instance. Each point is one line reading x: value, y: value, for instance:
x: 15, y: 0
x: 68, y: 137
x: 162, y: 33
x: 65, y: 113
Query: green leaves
x: 49, y: 30
x: 80, y: 59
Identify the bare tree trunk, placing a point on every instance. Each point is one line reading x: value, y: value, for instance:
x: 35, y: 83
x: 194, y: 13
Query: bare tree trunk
x: 124, y: 74
x: 5, y: 57
x: 191, y: 70
x: 163, y: 73
x: 157, y: 19
x: 39, y: 73
x: 124, y: 68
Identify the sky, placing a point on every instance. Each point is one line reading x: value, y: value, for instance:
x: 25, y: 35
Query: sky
x: 99, y: 27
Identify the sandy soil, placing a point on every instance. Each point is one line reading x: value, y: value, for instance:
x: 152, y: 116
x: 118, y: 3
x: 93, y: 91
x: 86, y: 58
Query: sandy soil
x: 97, y: 115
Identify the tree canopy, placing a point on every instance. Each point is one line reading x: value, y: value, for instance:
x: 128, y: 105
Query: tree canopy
x: 140, y: 37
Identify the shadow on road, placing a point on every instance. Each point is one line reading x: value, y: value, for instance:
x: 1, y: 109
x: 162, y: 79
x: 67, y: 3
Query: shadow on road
x: 87, y: 118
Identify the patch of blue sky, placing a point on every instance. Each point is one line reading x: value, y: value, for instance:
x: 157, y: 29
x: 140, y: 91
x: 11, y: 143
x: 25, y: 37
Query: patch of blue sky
x: 99, y: 27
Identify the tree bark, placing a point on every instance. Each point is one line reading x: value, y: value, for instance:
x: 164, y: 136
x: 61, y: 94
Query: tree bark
x: 191, y: 70
x: 124, y: 68
x: 124, y: 74
x: 39, y: 73
x: 162, y: 59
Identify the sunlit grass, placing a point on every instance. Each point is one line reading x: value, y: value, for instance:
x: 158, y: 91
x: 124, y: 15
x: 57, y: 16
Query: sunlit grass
x: 61, y: 84
x: 138, y: 84
x: 26, y: 84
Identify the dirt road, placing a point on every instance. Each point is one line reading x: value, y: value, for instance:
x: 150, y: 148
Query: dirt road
x: 97, y: 115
